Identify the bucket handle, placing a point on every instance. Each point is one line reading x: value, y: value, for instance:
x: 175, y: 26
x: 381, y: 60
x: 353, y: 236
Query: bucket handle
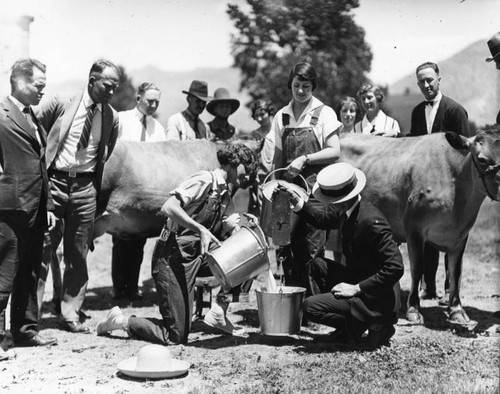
x: 308, y: 191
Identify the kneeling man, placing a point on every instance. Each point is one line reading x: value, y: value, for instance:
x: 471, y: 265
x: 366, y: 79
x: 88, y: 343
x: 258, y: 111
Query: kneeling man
x: 198, y: 210
x: 358, y: 295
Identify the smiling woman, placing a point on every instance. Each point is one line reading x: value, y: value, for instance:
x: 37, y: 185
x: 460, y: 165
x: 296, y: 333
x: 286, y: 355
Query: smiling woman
x: 307, y: 139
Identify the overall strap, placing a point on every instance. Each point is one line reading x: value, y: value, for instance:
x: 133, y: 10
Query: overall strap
x: 285, y: 119
x: 315, y: 116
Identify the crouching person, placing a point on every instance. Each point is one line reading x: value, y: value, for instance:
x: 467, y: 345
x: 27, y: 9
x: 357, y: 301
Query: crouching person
x: 199, y: 211
x: 358, y: 295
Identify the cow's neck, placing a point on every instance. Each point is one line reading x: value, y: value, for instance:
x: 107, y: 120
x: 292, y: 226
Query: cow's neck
x: 470, y: 193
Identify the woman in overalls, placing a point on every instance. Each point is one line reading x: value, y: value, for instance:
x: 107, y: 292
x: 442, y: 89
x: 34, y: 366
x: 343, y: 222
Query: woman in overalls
x: 307, y: 139
x: 200, y: 211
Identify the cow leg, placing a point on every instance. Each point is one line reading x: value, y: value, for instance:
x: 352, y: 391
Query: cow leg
x: 456, y: 313
x: 416, y: 254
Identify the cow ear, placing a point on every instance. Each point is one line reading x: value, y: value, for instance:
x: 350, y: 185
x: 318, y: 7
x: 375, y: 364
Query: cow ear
x: 457, y: 141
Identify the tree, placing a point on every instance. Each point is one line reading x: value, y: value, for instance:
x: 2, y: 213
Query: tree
x: 275, y: 35
x: 124, y: 96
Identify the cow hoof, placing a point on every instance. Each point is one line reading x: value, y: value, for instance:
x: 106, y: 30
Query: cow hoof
x: 458, y: 318
x: 414, y: 316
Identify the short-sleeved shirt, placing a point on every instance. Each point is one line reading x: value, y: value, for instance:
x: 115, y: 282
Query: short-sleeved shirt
x: 194, y: 191
x: 327, y: 125
x: 381, y: 123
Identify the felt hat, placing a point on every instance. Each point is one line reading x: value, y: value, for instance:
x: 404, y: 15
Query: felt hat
x: 221, y: 95
x: 338, y: 182
x: 153, y: 362
x: 494, y: 45
x: 198, y: 89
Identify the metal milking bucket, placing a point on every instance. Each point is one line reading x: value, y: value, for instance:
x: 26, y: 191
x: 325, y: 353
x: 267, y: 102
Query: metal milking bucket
x: 276, y: 210
x: 240, y: 257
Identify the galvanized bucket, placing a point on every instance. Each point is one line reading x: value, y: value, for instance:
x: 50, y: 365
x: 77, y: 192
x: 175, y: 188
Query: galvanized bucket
x: 267, y: 216
x: 242, y: 256
x: 280, y: 313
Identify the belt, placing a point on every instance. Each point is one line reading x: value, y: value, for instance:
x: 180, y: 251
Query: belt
x: 70, y: 174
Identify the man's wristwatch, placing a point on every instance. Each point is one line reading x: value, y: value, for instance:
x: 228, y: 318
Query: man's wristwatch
x: 307, y: 160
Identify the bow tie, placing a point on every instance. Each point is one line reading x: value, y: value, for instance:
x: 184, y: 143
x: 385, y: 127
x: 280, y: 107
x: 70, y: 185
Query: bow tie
x: 431, y: 103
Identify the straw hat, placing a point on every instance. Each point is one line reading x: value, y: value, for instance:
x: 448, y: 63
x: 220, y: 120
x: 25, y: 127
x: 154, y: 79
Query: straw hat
x: 198, y: 89
x: 153, y: 362
x: 494, y: 45
x: 338, y: 182
x: 221, y: 95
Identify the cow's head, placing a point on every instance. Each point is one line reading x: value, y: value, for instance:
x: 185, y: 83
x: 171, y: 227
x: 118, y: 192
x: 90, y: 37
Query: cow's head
x: 485, y: 151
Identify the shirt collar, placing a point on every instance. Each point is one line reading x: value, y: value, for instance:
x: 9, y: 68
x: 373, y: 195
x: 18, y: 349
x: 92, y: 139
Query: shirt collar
x: 138, y: 113
x: 437, y: 99
x: 350, y: 210
x: 17, y: 103
x: 313, y: 104
x: 87, y: 101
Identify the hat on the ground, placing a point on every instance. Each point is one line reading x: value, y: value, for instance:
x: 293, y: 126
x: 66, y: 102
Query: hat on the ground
x: 221, y: 95
x: 198, y: 89
x: 153, y: 362
x: 494, y: 45
x: 338, y: 182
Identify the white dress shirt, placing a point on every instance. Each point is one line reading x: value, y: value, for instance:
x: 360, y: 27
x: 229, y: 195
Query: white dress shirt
x: 131, y: 127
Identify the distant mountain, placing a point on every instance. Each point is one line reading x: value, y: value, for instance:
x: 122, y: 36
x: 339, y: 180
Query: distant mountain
x: 465, y: 77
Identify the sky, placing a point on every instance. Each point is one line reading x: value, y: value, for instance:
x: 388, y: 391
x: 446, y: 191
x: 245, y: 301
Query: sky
x: 69, y: 35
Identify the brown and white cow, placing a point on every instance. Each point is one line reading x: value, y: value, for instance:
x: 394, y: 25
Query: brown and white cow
x: 137, y: 179
x: 430, y: 188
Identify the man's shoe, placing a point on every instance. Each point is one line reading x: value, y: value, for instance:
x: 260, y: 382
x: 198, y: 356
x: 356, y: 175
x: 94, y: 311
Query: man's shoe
x: 115, y: 320
x: 378, y: 338
x: 216, y: 318
x: 37, y: 340
x: 135, y: 295
x: 118, y: 294
x: 337, y: 337
x: 75, y: 327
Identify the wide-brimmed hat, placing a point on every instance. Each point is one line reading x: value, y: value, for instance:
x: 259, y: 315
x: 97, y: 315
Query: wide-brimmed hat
x: 338, y: 182
x: 153, y: 362
x: 198, y: 89
x: 494, y: 45
x: 221, y: 95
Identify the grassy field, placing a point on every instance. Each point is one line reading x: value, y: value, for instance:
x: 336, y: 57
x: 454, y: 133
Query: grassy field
x: 421, y: 359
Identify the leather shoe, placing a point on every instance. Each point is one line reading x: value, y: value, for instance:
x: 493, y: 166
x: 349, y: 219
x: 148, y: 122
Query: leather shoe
x: 134, y: 295
x: 75, y: 327
x: 378, y: 338
x: 37, y: 340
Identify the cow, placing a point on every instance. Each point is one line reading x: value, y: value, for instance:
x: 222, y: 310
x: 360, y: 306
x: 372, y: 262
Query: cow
x: 430, y: 188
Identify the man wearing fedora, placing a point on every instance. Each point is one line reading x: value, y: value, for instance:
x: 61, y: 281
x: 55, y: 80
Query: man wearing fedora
x: 359, y: 294
x: 187, y: 125
x: 222, y: 106
x: 494, y: 46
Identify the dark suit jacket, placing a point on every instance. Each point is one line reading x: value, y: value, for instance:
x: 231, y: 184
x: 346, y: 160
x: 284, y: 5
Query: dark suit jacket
x: 57, y: 116
x: 372, y: 257
x: 450, y: 116
x: 24, y: 181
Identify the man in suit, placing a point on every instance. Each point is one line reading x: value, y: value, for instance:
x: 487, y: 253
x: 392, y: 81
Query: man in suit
x: 82, y: 132
x: 25, y: 202
x: 138, y: 125
x: 437, y: 113
x: 359, y: 294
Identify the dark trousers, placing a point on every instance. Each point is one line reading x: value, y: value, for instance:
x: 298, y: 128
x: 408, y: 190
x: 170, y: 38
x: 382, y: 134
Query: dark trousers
x: 75, y: 207
x: 21, y: 244
x: 431, y: 264
x: 306, y: 243
x: 126, y: 260
x: 325, y: 308
x: 174, y: 274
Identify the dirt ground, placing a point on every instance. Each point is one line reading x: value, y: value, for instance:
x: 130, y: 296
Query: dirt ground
x: 430, y: 358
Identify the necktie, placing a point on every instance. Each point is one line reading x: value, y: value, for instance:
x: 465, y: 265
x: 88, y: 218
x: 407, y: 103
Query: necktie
x: 87, y: 128
x: 195, y: 127
x: 144, y: 127
x: 29, y: 118
x: 431, y: 103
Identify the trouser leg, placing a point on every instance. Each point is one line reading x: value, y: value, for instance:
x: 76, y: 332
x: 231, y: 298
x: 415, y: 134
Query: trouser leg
x: 9, y: 264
